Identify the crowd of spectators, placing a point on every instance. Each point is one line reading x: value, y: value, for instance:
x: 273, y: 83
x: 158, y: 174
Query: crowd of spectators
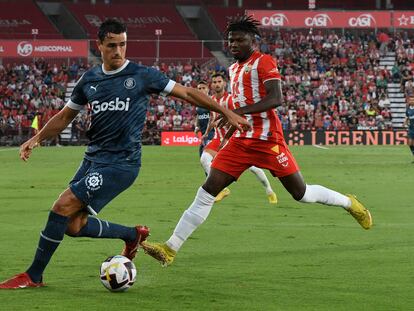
x: 32, y: 90
x: 331, y: 82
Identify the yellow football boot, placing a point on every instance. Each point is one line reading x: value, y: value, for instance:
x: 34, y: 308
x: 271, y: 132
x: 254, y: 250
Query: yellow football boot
x: 160, y: 251
x: 272, y: 197
x: 223, y: 193
x: 359, y: 212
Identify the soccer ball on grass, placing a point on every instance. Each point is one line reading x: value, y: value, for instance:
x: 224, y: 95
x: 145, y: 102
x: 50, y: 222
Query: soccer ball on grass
x: 118, y: 273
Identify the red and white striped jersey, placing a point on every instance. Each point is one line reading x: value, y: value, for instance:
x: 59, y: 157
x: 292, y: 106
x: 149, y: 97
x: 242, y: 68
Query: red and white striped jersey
x: 225, y: 101
x: 247, y: 86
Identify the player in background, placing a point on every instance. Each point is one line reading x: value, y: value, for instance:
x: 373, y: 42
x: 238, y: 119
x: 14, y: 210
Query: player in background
x: 409, y: 121
x: 218, y: 85
x: 256, y: 89
x: 203, y: 117
x: 118, y: 92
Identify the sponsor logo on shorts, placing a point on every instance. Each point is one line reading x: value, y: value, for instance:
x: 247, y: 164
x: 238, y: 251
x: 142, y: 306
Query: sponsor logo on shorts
x: 94, y: 181
x: 283, y: 159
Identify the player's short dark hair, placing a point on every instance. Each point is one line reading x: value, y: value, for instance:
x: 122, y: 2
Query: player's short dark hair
x: 110, y: 25
x: 245, y: 24
x: 218, y: 74
x: 202, y: 82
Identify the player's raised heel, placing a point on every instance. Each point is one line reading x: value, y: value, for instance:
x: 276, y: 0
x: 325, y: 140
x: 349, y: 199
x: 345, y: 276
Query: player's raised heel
x: 359, y: 212
x: 223, y: 193
x: 131, y: 248
x: 160, y: 251
x: 21, y: 280
x: 272, y: 197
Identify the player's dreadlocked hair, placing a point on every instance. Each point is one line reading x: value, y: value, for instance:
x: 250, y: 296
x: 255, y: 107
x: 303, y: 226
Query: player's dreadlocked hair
x: 243, y: 23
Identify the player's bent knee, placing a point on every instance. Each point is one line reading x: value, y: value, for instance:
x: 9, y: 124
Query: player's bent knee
x: 298, y: 194
x: 76, y: 223
x: 67, y: 204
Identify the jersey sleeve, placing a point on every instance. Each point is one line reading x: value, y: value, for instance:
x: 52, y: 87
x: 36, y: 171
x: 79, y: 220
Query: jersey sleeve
x: 267, y: 69
x: 78, y: 99
x: 158, y: 83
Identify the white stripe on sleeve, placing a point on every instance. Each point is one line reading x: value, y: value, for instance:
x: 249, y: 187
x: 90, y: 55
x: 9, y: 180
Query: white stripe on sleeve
x: 74, y: 106
x: 167, y: 90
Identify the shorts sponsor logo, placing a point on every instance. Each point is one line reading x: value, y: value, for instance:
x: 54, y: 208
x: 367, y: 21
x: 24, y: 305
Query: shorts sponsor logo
x: 283, y: 159
x: 130, y: 83
x: 94, y: 181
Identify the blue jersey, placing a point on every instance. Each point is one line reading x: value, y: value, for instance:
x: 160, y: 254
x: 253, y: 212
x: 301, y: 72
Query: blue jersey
x: 118, y: 105
x: 410, y: 115
x: 203, y: 116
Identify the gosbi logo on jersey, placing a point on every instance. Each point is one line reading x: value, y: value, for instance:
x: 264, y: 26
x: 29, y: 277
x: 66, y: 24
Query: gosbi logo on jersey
x: 204, y: 116
x: 113, y: 105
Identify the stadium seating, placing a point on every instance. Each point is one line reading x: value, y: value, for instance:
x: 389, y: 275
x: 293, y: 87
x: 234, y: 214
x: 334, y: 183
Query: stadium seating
x: 143, y: 21
x: 336, y: 88
x: 18, y: 18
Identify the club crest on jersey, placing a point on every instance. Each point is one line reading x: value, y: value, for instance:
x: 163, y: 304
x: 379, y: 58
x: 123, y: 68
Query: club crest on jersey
x: 94, y: 181
x: 130, y: 83
x: 247, y: 68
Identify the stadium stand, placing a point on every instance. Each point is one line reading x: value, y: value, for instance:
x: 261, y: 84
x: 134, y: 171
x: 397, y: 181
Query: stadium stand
x: 332, y: 80
x: 18, y: 18
x: 142, y: 21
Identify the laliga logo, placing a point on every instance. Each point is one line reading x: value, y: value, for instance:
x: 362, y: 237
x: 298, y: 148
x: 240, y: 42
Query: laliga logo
x: 24, y: 48
x: 363, y: 20
x: 277, y: 19
x: 319, y: 20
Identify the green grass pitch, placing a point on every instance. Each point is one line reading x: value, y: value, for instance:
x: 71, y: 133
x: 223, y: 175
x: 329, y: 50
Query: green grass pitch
x: 248, y: 255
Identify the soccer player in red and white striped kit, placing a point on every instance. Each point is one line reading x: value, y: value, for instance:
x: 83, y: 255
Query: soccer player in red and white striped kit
x: 223, y: 98
x: 256, y: 89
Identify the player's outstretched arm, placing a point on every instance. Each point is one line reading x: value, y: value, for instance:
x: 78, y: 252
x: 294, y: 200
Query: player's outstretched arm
x: 52, y: 128
x: 273, y: 99
x: 200, y: 99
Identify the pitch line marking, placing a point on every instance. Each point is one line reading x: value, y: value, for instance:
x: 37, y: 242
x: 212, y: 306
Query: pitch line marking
x: 321, y: 147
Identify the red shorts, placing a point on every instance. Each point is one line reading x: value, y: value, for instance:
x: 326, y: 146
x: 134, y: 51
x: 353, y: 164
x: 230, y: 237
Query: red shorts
x: 241, y: 153
x: 214, y: 144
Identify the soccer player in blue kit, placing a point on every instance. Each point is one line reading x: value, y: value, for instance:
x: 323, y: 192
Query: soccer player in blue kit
x: 409, y: 121
x: 118, y: 94
x: 203, y: 117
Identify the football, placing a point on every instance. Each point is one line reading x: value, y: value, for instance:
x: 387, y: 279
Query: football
x: 118, y: 273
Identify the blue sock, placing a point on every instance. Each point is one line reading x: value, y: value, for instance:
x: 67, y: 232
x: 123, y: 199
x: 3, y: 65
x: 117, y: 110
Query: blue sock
x: 50, y: 239
x: 412, y: 149
x: 97, y: 228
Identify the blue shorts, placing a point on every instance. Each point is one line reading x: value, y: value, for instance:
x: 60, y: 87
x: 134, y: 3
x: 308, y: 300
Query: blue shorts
x: 96, y: 184
x: 205, y: 142
x: 411, y: 134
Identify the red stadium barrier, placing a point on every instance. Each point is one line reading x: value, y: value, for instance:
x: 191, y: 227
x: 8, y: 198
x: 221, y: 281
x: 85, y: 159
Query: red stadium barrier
x: 322, y: 19
x: 44, y: 48
x: 180, y: 139
x: 346, y: 137
x: 404, y: 19
x: 307, y: 138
